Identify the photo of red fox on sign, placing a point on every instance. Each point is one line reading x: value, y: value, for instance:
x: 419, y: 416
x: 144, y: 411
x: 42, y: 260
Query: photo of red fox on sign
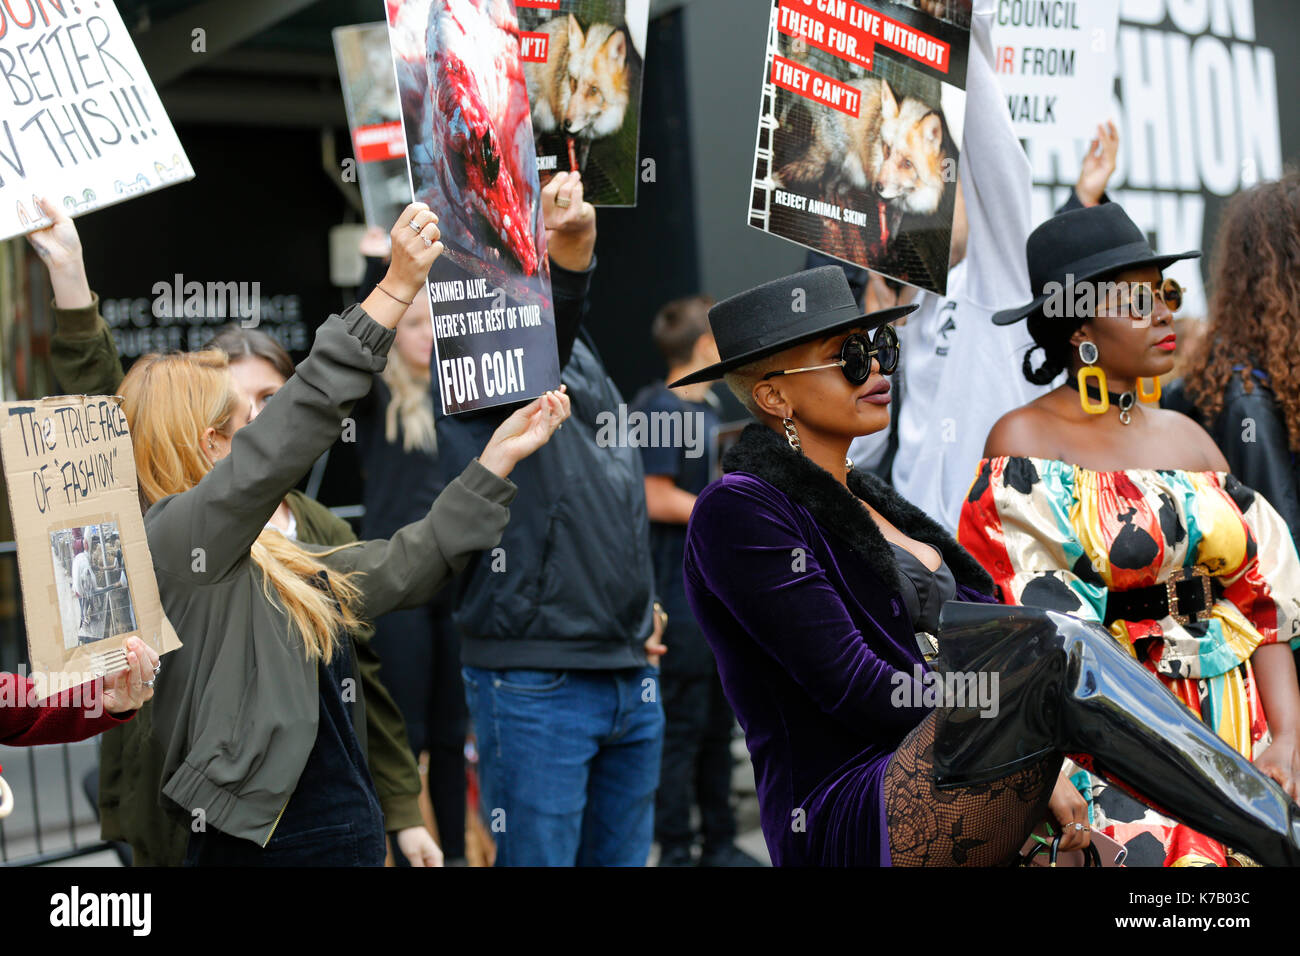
x: 469, y: 149
x: 859, y: 130
x: 583, y: 61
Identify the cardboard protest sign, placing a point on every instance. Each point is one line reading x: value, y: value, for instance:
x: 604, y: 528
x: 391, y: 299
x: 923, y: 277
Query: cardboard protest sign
x: 583, y: 60
x: 859, y: 131
x: 375, y: 119
x: 80, y: 121
x: 469, y: 146
x: 1056, y: 64
x: 83, y: 560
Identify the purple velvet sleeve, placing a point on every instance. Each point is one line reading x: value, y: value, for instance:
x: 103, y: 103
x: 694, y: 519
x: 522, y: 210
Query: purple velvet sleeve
x: 746, y: 547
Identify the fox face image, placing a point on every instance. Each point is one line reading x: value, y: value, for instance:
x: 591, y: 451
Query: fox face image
x: 582, y: 89
x: 598, y: 84
x: 894, y: 148
x: 909, y: 156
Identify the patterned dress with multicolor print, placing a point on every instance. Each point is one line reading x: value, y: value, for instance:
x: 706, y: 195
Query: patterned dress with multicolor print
x: 1058, y: 536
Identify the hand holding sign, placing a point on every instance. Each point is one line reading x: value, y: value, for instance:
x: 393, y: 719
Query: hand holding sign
x: 527, y: 430
x: 59, y: 247
x: 130, y: 687
x: 570, y: 222
x: 415, y: 248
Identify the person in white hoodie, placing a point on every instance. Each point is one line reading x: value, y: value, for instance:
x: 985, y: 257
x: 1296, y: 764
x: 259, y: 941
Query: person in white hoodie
x: 946, y: 408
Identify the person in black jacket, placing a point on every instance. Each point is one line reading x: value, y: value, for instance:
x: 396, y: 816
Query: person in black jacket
x: 1242, y: 383
x: 558, y: 624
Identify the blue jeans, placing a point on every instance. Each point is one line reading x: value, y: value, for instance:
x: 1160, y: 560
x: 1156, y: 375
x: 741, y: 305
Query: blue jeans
x: 568, y: 763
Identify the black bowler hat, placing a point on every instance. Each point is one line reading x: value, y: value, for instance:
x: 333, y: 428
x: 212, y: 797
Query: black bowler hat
x: 764, y: 320
x: 1086, y: 244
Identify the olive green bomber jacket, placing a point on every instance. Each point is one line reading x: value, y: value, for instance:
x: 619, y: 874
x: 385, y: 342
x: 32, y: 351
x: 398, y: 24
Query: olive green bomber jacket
x: 86, y: 360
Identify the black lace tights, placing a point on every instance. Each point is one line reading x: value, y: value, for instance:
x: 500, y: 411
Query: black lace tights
x: 981, y: 825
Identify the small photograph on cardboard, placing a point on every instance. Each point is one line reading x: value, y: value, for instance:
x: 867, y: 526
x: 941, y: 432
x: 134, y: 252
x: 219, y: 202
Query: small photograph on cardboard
x: 90, y: 575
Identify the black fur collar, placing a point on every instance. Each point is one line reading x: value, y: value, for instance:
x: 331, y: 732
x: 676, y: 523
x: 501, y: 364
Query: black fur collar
x: 765, y: 454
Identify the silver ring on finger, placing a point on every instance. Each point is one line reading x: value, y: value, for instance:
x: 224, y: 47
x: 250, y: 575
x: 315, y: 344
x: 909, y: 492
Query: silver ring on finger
x: 428, y: 243
x: 413, y: 223
x: 149, y: 684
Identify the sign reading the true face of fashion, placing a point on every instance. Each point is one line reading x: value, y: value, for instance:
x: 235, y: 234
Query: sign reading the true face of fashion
x: 1056, y: 64
x: 375, y: 119
x: 87, y: 577
x: 470, y: 152
x: 583, y: 63
x: 80, y: 122
x: 859, y: 129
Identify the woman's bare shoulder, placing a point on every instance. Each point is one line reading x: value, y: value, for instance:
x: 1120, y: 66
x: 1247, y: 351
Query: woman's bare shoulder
x: 1022, y: 433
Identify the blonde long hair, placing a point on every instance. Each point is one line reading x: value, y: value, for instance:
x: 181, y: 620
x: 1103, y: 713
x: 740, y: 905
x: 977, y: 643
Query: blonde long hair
x: 410, y: 403
x: 170, y: 400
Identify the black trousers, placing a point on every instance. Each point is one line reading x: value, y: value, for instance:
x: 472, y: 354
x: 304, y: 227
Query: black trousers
x: 420, y: 653
x: 696, y: 766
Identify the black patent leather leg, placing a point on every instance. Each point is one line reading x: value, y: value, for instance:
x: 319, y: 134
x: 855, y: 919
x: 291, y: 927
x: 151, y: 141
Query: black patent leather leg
x: 1066, y: 685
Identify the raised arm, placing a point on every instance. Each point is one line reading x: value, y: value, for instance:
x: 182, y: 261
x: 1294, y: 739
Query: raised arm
x: 469, y: 516
x: 218, y: 520
x: 83, y: 352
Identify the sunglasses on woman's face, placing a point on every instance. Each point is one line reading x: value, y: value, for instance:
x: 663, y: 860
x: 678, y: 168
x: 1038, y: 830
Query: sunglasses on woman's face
x: 1141, y: 301
x: 856, y: 354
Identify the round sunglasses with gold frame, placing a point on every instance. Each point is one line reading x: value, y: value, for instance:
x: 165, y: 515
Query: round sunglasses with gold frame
x: 856, y: 354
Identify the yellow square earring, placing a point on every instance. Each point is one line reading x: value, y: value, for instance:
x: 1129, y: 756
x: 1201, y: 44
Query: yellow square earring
x: 1088, y: 353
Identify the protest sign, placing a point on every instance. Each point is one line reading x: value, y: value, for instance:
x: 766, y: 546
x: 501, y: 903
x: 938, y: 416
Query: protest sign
x: 375, y: 120
x: 80, y: 121
x: 1056, y: 64
x: 583, y: 60
x: 83, y: 560
x: 469, y: 148
x: 859, y: 131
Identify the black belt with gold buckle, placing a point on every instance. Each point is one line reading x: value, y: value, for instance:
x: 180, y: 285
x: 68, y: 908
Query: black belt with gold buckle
x: 1185, y: 596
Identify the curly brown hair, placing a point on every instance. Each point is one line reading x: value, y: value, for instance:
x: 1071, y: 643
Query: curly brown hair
x: 1255, y: 303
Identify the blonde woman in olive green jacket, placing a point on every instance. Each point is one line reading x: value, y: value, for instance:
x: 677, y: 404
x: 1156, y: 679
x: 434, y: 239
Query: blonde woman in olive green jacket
x: 259, y: 751
x: 84, y: 358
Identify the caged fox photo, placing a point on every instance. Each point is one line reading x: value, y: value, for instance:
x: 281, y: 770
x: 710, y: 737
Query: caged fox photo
x: 585, y: 98
x: 887, y: 176
x: 91, y: 584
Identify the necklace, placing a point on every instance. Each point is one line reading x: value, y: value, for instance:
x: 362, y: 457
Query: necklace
x: 1124, y: 401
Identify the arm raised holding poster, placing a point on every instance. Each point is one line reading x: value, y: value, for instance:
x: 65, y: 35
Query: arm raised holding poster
x: 270, y: 622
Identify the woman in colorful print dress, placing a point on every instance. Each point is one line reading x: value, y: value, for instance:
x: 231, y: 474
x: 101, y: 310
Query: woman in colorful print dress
x: 1093, y: 502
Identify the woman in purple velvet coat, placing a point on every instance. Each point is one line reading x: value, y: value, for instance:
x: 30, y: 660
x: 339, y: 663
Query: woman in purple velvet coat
x: 818, y: 589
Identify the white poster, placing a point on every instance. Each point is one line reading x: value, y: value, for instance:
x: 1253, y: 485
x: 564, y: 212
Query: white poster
x: 1199, y: 119
x: 1056, y: 64
x: 80, y: 121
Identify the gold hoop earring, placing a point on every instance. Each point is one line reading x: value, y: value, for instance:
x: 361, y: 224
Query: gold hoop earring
x: 1152, y: 396
x: 1089, y: 355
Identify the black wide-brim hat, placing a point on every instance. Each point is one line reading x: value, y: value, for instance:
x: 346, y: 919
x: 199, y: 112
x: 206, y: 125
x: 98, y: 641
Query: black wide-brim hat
x: 782, y: 313
x: 1085, y: 244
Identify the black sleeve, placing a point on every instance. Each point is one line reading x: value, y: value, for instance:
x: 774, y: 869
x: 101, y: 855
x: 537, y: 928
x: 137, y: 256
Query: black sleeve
x: 570, y: 290
x: 1256, y: 443
x: 1074, y: 202
x: 373, y: 275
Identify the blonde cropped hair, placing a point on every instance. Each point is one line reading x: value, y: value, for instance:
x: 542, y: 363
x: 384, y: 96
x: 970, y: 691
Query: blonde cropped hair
x: 170, y: 401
